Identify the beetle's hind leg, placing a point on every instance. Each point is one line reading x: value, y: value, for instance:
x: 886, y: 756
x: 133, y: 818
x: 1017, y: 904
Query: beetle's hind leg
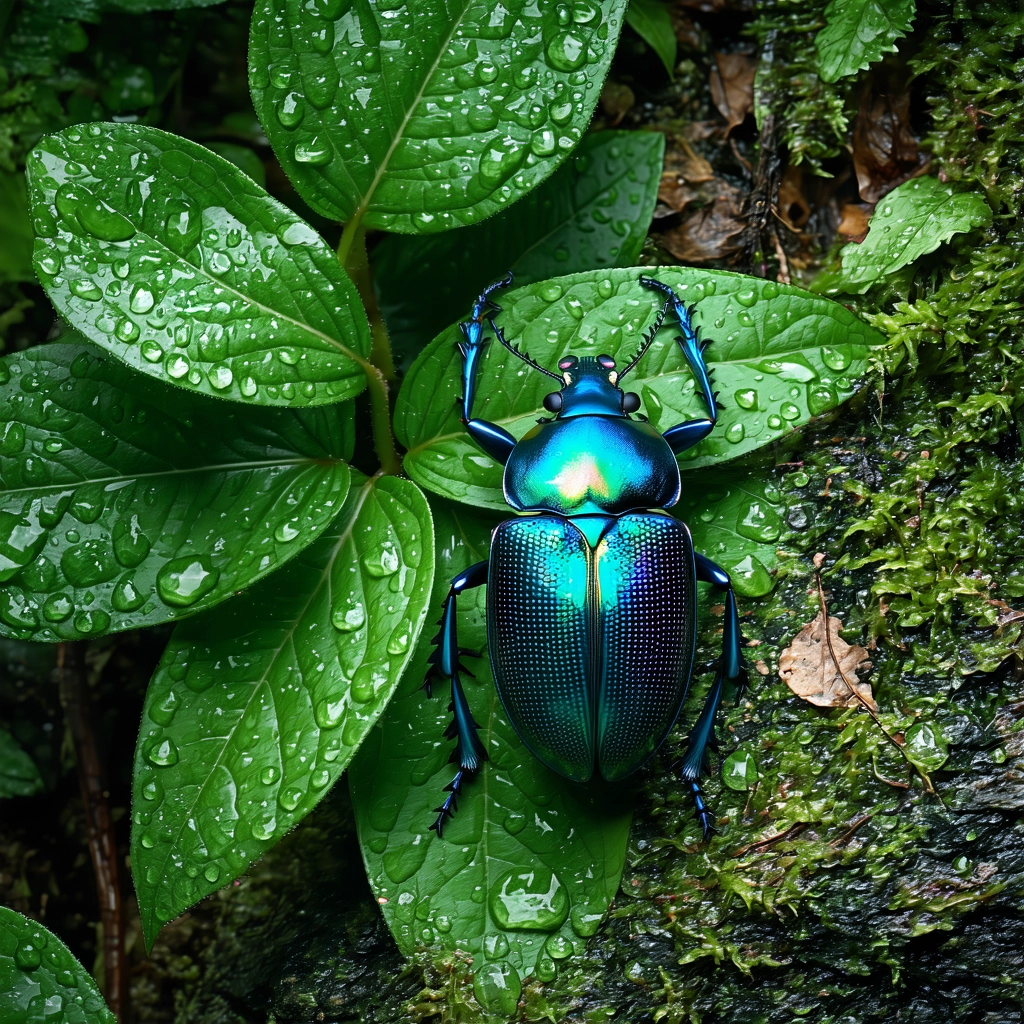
x: 469, y: 752
x: 731, y: 667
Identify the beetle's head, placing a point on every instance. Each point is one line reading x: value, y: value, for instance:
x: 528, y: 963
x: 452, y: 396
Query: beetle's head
x: 590, y: 388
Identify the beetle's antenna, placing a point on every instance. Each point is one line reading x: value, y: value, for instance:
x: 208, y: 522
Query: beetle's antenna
x: 648, y: 338
x: 519, y: 354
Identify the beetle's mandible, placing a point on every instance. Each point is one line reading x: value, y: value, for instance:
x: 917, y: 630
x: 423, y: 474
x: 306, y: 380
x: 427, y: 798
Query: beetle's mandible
x: 591, y: 589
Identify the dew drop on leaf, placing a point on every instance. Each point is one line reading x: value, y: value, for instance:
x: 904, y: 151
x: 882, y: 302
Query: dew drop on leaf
x: 531, y: 900
x: 183, y: 581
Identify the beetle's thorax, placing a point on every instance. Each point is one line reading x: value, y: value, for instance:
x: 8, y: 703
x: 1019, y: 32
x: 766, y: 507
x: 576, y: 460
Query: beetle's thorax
x: 586, y: 464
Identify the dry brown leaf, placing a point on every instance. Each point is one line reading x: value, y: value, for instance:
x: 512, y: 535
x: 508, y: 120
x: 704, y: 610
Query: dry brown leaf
x: 675, y: 193
x: 793, y: 206
x: 617, y: 100
x: 885, y: 151
x: 680, y: 159
x: 854, y: 224
x: 710, y: 234
x: 732, y: 86
x: 807, y: 668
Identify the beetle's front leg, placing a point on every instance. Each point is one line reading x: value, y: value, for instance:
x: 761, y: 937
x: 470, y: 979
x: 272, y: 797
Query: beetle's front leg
x: 731, y: 667
x: 685, y: 435
x: 469, y: 752
x: 497, y: 442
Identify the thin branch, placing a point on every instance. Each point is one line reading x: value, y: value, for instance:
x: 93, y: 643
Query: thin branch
x: 853, y: 689
x: 74, y: 697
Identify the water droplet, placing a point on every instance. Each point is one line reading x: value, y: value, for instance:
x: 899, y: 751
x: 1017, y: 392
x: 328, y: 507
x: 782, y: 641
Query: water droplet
x: 211, y: 872
x: 746, y: 398
x: 750, y: 578
x: 495, y: 946
x: 151, y: 351
x: 286, y: 532
x: 485, y: 72
x: 290, y: 109
x: 382, y: 561
x: 739, y: 771
x: 532, y: 899
x: 774, y: 422
x: 760, y: 522
x: 248, y: 387
x: 162, y: 753
x: 58, y: 608
x: 49, y: 264
x: 130, y: 544
x: 735, y: 433
x: 220, y: 376
x: 567, y: 52
x: 399, y: 642
x: 312, y: 152
x: 289, y: 798
x: 821, y: 397
x: 560, y: 111
x: 515, y: 823
x: 789, y: 411
x: 347, y: 619
x: 86, y: 289
x: 500, y: 160
x: 27, y: 957
x: 545, y: 969
x: 176, y: 365
x: 142, y: 299
x: 264, y: 830
x: 747, y: 297
x: 88, y: 564
x: 125, y: 597
x: 558, y: 947
x: 551, y: 292
x: 329, y: 713
x: 926, y: 745
x: 497, y: 987
x: 163, y: 709
x: 12, y: 438
x: 183, y: 581
x: 835, y: 358
x: 126, y: 330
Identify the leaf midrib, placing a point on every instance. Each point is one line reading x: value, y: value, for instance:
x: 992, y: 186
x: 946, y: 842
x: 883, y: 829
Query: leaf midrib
x: 262, y: 682
x: 382, y: 166
x: 156, y: 474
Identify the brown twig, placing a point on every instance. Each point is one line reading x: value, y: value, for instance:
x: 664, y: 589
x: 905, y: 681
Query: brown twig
x: 836, y: 843
x: 763, y: 844
x: 853, y: 689
x: 74, y: 697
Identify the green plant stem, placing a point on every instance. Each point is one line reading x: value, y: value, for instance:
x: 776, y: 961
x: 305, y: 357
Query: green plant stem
x: 381, y: 367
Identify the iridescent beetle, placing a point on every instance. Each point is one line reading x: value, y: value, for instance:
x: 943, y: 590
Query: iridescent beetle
x: 591, y: 591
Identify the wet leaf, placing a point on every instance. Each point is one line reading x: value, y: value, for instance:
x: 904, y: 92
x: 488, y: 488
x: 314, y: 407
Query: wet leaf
x: 41, y: 980
x: 256, y: 710
x: 926, y: 746
x: 859, y: 32
x: 712, y: 233
x: 125, y: 502
x: 734, y: 517
x: 778, y: 355
x: 732, y: 86
x: 520, y: 828
x: 912, y: 220
x: 651, y: 21
x: 176, y: 262
x: 809, y: 670
x: 19, y: 775
x: 593, y: 212
x: 425, y: 116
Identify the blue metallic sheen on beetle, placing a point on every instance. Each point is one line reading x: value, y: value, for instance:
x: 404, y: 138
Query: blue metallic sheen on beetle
x: 592, y: 589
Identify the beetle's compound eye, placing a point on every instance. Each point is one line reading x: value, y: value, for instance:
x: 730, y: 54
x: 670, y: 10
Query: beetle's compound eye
x: 606, y: 362
x: 630, y: 402
x: 567, y: 363
x: 553, y: 402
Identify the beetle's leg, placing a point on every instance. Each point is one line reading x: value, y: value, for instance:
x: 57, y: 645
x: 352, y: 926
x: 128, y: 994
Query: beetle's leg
x: 497, y: 442
x: 686, y: 435
x: 732, y: 667
x: 469, y: 752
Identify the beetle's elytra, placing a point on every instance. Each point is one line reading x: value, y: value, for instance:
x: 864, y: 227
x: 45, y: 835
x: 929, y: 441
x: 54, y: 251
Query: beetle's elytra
x: 591, y: 590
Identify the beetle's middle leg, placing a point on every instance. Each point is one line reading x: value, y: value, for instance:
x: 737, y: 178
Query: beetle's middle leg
x: 731, y: 667
x: 469, y: 752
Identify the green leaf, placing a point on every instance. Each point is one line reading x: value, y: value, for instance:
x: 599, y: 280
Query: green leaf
x: 859, y: 32
x: 593, y: 212
x: 913, y: 219
x: 15, y: 230
x: 176, y: 262
x: 651, y: 21
x: 257, y: 708
x: 41, y: 981
x: 19, y: 775
x: 424, y: 116
x: 124, y: 502
x: 778, y: 355
x: 734, y: 518
x: 243, y: 158
x: 516, y: 819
